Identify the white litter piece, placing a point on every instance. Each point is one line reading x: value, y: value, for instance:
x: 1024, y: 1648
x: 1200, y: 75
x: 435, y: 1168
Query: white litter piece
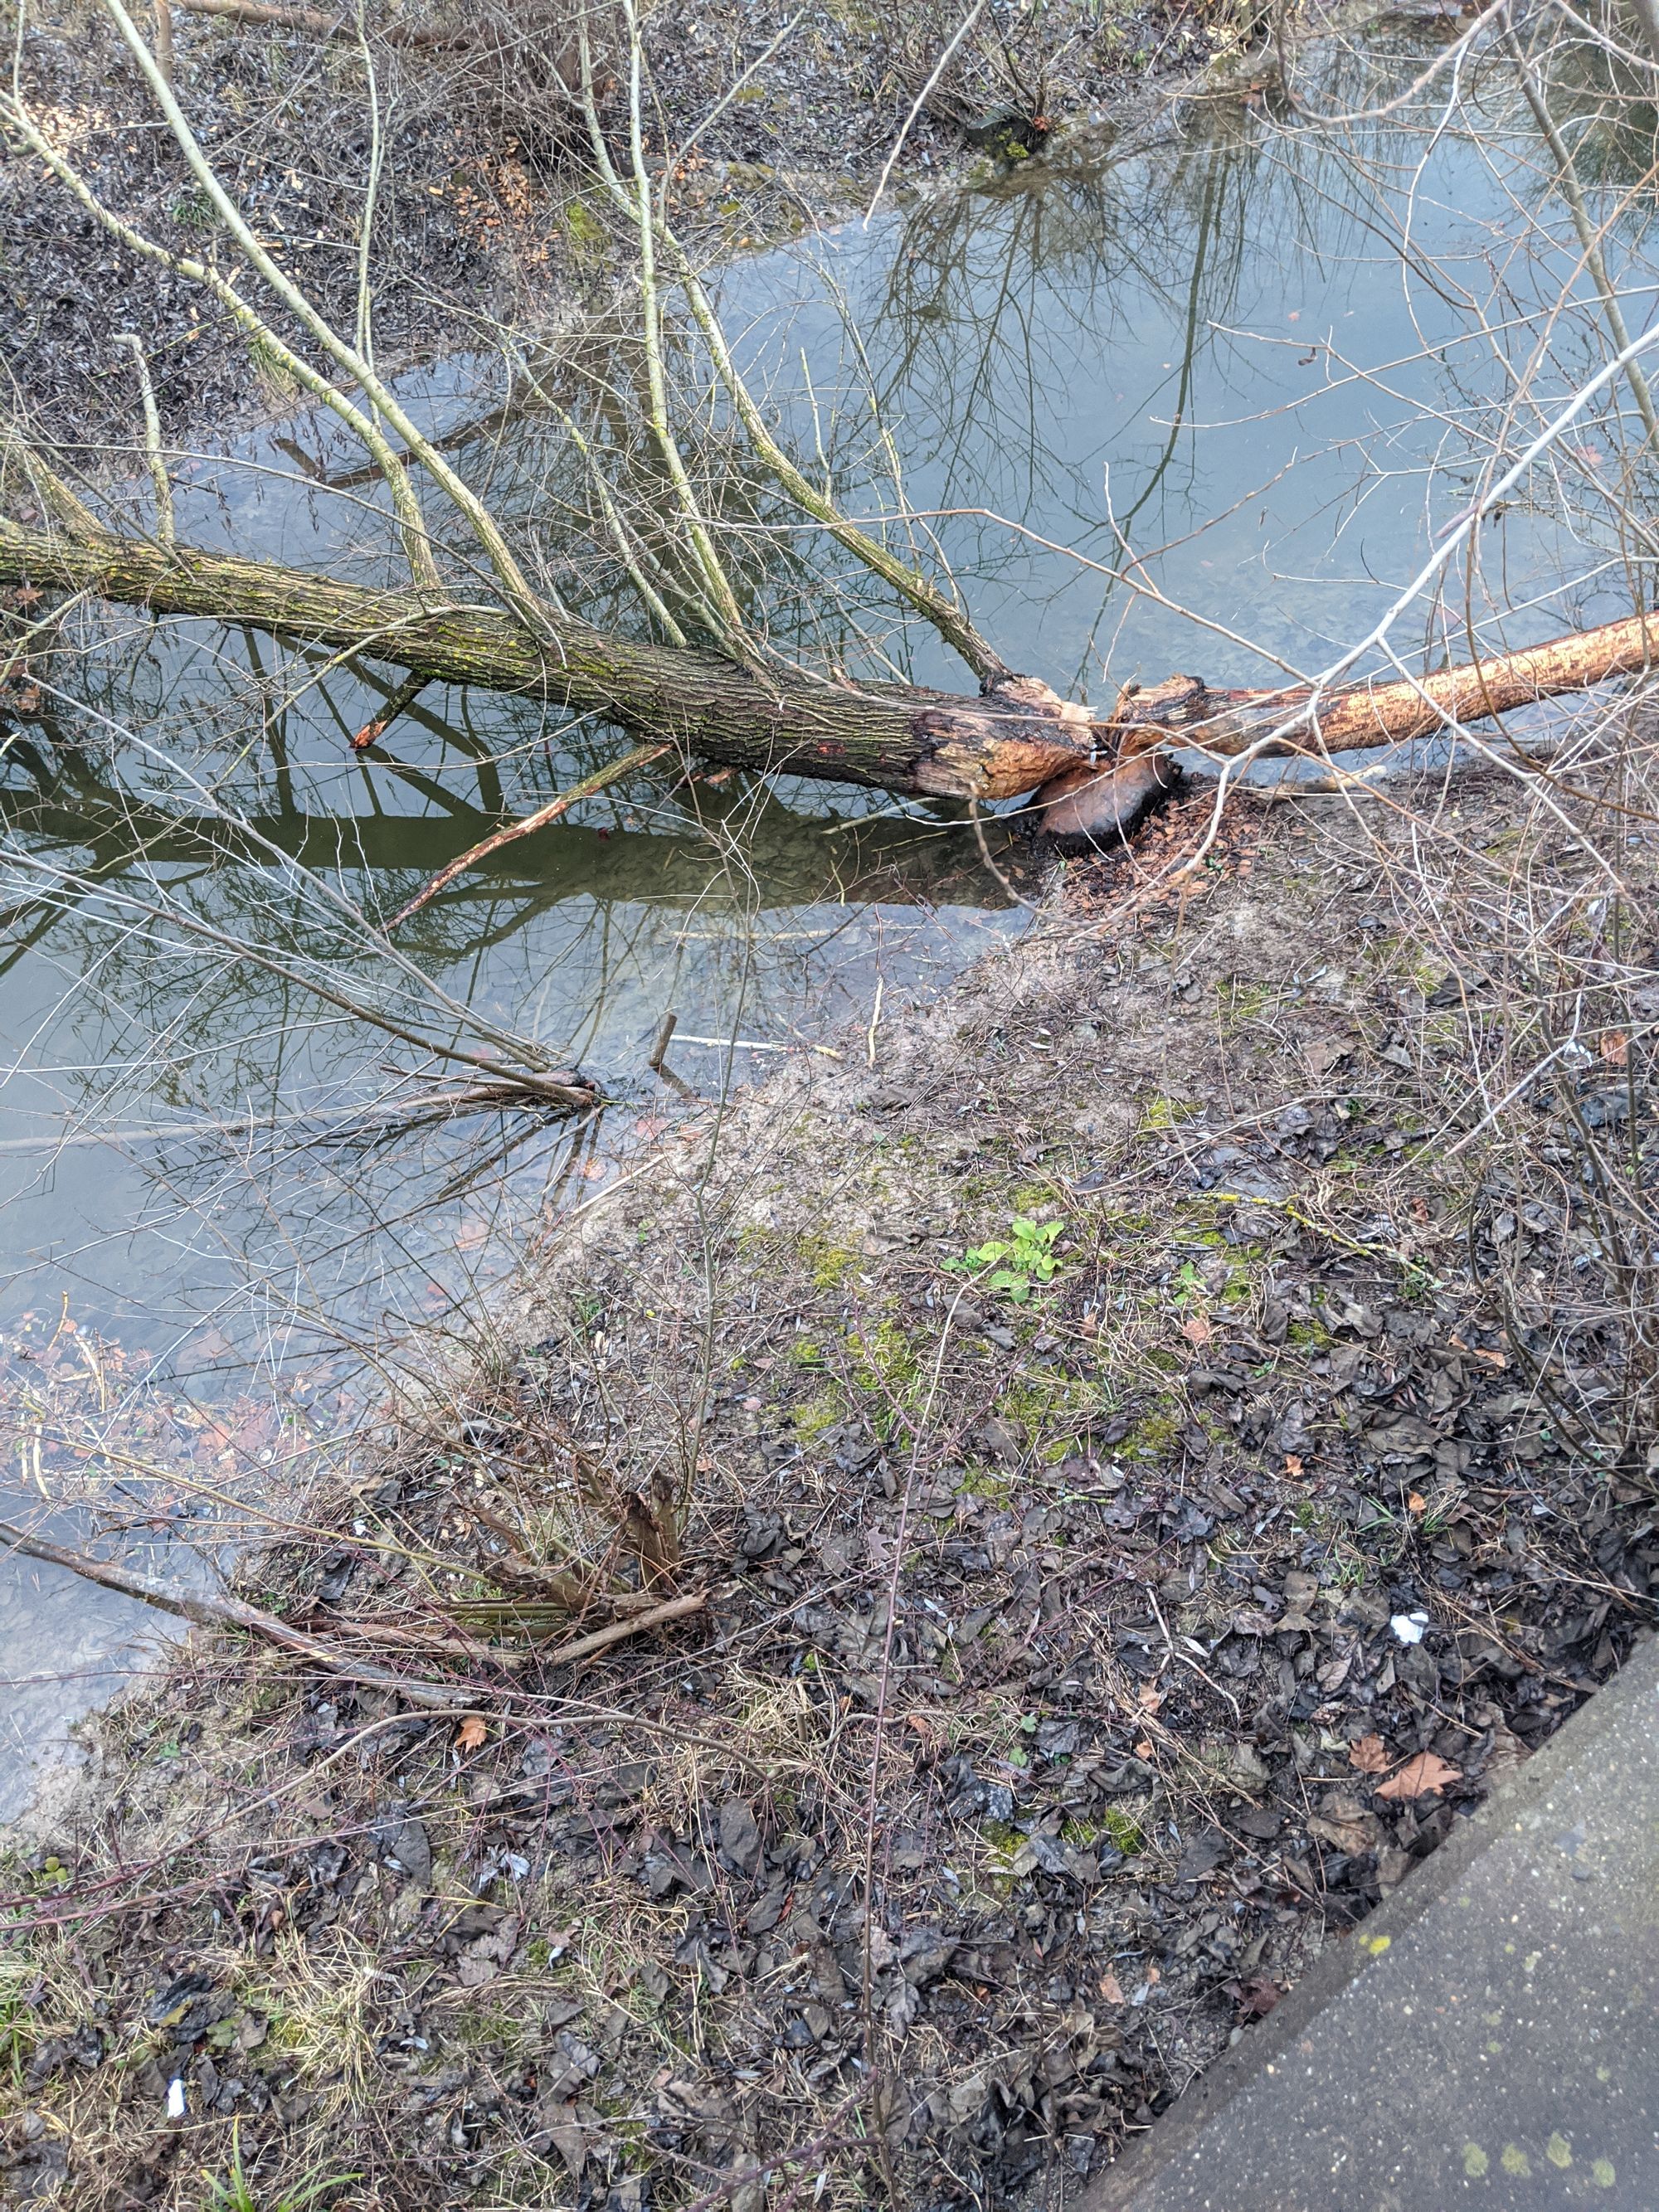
x: 175, y: 2098
x: 1409, y: 1627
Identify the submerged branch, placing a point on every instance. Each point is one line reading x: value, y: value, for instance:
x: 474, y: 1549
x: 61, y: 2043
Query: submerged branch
x: 601, y: 778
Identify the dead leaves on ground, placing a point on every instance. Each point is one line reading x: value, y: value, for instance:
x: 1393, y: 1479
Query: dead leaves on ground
x: 1369, y: 1756
x: 1425, y: 1776
x: 1422, y: 1776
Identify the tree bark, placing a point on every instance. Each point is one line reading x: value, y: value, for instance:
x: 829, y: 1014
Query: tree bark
x: 937, y: 743
x: 1019, y: 738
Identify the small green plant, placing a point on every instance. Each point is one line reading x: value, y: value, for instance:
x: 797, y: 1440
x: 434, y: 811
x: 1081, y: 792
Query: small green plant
x: 1025, y: 1257
x: 233, y: 2191
x: 584, y: 229
x: 194, y: 210
x: 17, y: 2018
x: 1125, y: 1832
x: 1187, y: 1285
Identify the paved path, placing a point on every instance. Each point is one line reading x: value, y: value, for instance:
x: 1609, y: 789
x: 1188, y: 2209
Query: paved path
x: 1489, y: 2037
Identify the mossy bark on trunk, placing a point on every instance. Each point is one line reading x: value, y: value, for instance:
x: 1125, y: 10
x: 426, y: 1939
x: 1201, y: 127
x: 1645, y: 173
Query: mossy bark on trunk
x: 1019, y: 736
x: 900, y: 738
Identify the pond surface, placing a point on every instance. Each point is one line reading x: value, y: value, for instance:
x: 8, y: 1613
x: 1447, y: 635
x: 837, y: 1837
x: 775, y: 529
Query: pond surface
x: 1253, y: 368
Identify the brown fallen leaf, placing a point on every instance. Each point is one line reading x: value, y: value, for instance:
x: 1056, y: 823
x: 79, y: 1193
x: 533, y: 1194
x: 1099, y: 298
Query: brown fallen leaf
x: 1292, y: 1464
x: 1256, y: 1997
x: 471, y: 1733
x: 1345, y: 1825
x: 1420, y: 1777
x: 1111, y: 1988
x: 1369, y: 1756
x: 1197, y: 1330
x: 566, y: 2135
x: 1615, y: 1047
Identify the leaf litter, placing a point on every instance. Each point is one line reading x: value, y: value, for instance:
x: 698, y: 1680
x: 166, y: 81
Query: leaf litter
x: 1046, y: 1722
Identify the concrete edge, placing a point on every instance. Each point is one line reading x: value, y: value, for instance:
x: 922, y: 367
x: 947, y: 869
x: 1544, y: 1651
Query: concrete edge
x: 1344, y: 1960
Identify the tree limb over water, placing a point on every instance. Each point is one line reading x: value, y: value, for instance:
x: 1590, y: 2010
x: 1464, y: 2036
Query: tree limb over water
x: 1088, y: 773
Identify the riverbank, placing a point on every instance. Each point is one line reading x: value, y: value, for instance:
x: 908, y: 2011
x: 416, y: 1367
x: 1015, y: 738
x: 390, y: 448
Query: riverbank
x: 491, y: 234
x: 1097, y: 1626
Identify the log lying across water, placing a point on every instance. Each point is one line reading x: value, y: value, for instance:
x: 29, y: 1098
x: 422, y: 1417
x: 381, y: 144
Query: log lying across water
x: 1090, y: 772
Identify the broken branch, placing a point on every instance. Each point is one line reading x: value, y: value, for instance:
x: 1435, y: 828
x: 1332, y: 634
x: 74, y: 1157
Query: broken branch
x: 611, y: 774
x: 206, y: 1612
x: 584, y: 1646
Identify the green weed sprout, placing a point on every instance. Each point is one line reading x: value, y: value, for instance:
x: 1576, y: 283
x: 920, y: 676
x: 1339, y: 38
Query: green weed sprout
x: 1026, y: 1257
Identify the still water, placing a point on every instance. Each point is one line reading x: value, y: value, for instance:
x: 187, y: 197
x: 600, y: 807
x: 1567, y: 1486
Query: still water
x: 1247, y: 367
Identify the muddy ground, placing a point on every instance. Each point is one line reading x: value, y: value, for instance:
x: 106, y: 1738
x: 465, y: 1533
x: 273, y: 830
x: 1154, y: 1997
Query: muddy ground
x: 1095, y: 1628
x: 490, y: 233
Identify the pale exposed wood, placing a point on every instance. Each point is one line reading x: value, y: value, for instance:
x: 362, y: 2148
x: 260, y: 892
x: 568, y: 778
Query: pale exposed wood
x: 585, y: 1647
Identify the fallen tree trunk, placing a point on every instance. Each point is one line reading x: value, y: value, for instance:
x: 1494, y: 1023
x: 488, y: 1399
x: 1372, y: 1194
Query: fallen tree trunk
x: 318, y: 23
x: 931, y: 742
x: 1092, y: 773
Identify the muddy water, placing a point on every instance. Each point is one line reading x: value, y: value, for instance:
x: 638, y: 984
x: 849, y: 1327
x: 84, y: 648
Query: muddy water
x: 1249, y: 370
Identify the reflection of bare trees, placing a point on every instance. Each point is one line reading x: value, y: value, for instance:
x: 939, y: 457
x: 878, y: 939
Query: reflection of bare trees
x: 915, y: 369
x: 68, y: 801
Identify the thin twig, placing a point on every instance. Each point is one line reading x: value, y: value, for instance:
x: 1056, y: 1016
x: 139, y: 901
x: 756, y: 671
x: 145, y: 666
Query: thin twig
x: 658, y: 1061
x: 405, y: 695
x: 164, y: 38
x: 937, y: 72
x: 883, y: 1680
x: 1595, y: 261
x: 153, y: 456
x: 1018, y: 897
x: 584, y: 1646
x: 640, y: 758
x: 207, y: 1611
